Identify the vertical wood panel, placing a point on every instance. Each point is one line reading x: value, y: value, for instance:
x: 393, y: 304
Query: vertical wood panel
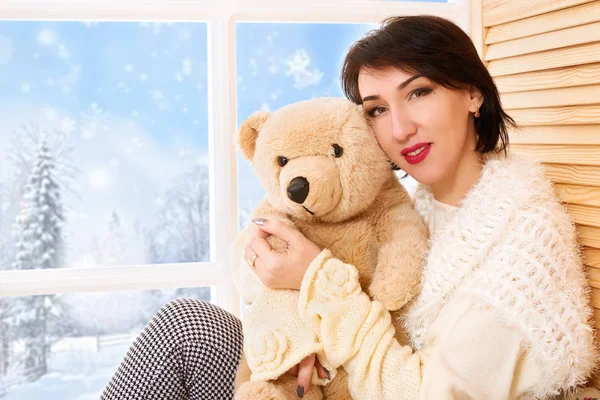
x: 544, y: 56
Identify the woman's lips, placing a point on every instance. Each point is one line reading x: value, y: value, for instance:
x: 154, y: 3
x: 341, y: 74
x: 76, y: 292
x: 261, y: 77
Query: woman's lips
x: 423, y: 151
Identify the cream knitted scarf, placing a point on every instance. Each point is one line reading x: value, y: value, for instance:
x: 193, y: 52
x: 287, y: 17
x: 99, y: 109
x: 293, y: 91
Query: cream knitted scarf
x: 512, y: 245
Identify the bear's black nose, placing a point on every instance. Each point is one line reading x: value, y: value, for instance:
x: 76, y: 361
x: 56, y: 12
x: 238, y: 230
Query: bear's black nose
x: 298, y: 190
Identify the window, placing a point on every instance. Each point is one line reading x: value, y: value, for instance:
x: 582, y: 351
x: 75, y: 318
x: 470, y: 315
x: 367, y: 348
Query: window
x: 106, y: 146
x: 68, y: 346
x: 93, y: 80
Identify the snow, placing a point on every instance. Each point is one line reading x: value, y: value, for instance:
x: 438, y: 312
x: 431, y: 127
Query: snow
x: 77, y: 371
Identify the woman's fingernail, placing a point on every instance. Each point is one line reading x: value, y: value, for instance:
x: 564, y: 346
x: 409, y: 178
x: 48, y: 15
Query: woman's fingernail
x: 260, y: 221
x: 300, y: 391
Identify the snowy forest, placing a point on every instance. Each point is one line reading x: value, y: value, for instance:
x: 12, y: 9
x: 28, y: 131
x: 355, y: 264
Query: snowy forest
x: 34, y: 234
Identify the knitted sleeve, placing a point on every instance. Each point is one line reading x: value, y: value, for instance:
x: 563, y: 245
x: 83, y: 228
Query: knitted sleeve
x: 275, y: 337
x: 357, y: 333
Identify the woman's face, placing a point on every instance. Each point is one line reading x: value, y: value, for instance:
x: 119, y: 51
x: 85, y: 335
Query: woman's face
x: 425, y: 128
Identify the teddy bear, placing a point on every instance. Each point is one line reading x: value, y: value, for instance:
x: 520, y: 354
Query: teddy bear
x: 325, y: 175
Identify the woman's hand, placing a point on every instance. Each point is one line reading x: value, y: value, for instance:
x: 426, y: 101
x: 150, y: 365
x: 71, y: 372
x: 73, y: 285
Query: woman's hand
x: 304, y: 372
x: 279, y: 270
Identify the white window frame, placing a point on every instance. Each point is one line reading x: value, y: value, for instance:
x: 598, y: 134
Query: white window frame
x: 221, y: 15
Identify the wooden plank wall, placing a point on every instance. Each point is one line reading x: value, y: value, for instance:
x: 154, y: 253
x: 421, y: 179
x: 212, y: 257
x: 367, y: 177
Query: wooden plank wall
x: 545, y: 58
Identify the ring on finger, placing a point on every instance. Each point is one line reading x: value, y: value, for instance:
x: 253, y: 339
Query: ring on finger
x: 252, y: 260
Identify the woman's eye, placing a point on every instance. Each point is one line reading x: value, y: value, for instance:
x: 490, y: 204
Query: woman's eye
x: 282, y: 161
x: 376, y: 111
x: 415, y: 94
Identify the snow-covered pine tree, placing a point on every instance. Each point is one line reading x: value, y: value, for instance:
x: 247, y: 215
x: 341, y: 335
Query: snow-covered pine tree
x: 39, y: 241
x: 5, y: 328
x: 5, y: 334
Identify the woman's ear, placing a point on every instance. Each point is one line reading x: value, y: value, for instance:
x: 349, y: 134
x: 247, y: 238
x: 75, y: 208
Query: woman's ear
x: 248, y: 133
x: 475, y: 99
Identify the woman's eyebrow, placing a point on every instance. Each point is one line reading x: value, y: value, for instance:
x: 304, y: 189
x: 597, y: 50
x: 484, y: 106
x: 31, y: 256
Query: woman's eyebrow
x: 400, y: 87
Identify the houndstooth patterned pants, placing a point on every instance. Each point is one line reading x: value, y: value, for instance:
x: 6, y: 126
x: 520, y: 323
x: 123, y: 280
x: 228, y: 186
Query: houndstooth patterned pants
x: 189, y: 350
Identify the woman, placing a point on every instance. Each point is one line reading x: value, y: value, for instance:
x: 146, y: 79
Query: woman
x: 503, y: 311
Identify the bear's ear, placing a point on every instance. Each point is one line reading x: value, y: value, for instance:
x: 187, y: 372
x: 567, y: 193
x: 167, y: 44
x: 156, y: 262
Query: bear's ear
x: 249, y: 132
x: 360, y: 109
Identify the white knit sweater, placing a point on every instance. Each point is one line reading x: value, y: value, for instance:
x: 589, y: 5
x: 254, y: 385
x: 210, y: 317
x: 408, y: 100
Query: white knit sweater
x: 512, y: 247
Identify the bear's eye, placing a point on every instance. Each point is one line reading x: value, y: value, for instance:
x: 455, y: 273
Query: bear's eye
x: 337, y: 150
x: 282, y: 161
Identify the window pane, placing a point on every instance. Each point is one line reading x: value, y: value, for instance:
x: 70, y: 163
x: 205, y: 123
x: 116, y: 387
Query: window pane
x: 278, y: 64
x: 103, y: 150
x: 68, y: 346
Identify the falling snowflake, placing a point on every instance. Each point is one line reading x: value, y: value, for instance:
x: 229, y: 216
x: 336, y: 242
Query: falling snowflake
x: 47, y: 37
x: 94, y: 122
x: 62, y: 51
x: 187, y: 66
x: 185, y: 109
x: 157, y: 95
x: 254, y: 66
x: 66, y: 125
x: 25, y: 87
x: 298, y: 68
x: 144, y: 77
x: 179, y: 77
x: 128, y: 68
x: 184, y: 152
x: 100, y: 178
x: 298, y: 63
x: 276, y: 94
x: 264, y: 107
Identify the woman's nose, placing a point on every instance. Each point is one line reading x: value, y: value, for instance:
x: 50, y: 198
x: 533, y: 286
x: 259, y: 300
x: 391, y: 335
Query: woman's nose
x: 402, y: 127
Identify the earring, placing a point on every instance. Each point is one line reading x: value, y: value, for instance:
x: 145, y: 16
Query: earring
x: 476, y: 113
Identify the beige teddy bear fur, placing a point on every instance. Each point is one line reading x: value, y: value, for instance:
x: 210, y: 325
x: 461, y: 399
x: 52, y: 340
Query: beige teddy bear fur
x: 325, y: 175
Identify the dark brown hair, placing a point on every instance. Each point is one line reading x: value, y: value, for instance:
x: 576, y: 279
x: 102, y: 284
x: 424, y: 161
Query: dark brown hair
x: 440, y: 50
